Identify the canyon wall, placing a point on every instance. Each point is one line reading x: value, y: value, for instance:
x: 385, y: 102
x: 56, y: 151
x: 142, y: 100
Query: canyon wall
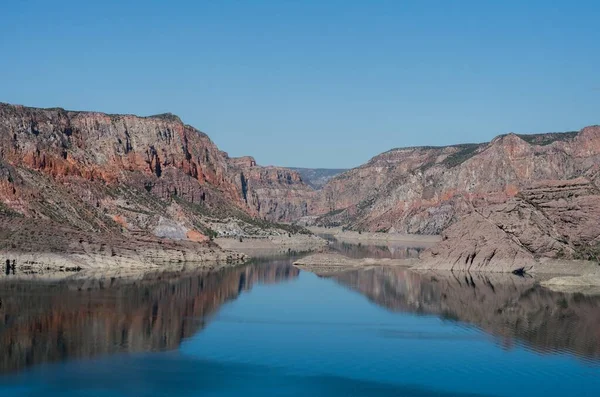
x: 274, y: 193
x: 425, y: 189
x: 151, y: 176
x: 156, y: 177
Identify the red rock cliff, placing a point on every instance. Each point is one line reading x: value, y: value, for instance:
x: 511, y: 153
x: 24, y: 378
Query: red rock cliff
x: 154, y: 174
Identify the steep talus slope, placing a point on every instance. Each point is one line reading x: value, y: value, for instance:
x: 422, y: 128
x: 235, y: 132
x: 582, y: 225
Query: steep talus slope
x: 425, y: 189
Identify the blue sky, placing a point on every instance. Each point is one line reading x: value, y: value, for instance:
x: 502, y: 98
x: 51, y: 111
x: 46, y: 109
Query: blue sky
x: 312, y: 83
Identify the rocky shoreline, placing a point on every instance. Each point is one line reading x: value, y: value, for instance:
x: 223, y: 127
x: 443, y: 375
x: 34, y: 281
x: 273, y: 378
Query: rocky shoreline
x: 558, y: 275
x: 157, y: 258
x: 520, y: 203
x: 547, y: 228
x: 34, y: 248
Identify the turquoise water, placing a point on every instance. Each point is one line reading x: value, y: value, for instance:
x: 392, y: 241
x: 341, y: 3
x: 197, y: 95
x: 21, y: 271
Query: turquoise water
x: 268, y: 329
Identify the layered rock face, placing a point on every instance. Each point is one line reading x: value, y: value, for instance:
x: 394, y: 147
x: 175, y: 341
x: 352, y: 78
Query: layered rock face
x: 158, y: 154
x: 273, y: 193
x: 425, y: 189
x: 551, y: 219
x: 123, y: 175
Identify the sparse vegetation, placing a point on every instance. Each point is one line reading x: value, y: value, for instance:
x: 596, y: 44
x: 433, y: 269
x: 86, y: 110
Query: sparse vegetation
x: 334, y: 212
x: 8, y: 212
x: 232, y: 212
x: 588, y: 253
x: 365, y: 203
x: 562, y: 303
x: 547, y: 139
x: 464, y: 153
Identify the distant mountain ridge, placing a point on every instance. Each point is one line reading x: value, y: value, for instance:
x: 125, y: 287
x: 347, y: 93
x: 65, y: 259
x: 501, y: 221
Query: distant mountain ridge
x: 317, y: 177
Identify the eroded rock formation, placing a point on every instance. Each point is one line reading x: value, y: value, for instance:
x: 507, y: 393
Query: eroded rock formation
x: 551, y: 219
x: 129, y: 176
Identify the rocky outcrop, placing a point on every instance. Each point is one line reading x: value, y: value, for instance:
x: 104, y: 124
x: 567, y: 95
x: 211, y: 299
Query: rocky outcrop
x: 551, y: 219
x: 325, y: 263
x: 501, y: 206
x: 424, y: 190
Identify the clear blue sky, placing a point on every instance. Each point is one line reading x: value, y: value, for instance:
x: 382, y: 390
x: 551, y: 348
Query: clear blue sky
x: 312, y: 83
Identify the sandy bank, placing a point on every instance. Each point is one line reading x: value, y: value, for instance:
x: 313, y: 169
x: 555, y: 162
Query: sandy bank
x: 327, y: 263
x: 587, y: 284
x: 90, y: 278
x: 571, y: 276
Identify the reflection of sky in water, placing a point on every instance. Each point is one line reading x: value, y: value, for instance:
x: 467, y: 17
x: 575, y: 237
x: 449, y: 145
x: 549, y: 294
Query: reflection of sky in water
x: 313, y: 327
x: 356, y: 334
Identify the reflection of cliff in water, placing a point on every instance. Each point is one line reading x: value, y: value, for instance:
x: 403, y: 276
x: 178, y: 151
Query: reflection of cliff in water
x: 41, y: 322
x: 514, y: 309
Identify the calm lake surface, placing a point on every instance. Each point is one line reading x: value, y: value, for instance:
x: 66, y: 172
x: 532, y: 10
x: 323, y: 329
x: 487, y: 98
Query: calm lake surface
x: 270, y: 329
